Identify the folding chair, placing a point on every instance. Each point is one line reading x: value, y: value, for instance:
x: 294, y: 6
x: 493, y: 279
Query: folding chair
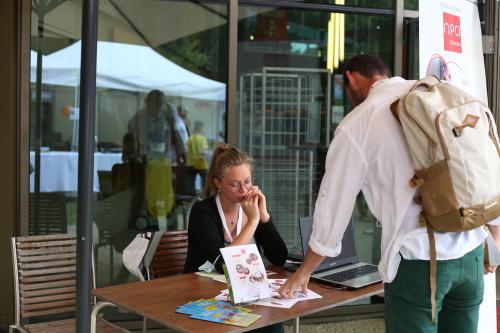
x: 45, y: 284
x: 166, y: 258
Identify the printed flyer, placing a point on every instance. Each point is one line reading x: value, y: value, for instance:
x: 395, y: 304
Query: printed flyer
x: 245, y: 273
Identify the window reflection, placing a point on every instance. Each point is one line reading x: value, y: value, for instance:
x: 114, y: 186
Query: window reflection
x: 160, y: 105
x: 382, y: 4
x: 291, y: 99
x: 411, y: 4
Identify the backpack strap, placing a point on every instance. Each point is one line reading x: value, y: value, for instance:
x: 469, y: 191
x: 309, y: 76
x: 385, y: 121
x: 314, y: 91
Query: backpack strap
x: 395, y: 110
x: 428, y: 82
x: 433, y: 269
x: 491, y: 133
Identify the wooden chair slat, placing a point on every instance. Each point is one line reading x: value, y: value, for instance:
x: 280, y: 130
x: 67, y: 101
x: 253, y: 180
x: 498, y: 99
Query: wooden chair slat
x: 173, y: 263
x: 47, y: 278
x: 172, y: 246
x: 49, y: 305
x: 44, y: 237
x: 61, y: 326
x: 169, y: 264
x: 167, y: 272
x: 172, y: 233
x: 46, y: 264
x: 29, y: 314
x: 49, y: 257
x: 180, y: 254
x: 48, y: 271
x: 177, y: 238
x: 34, y: 293
x: 30, y: 245
x: 56, y: 250
x: 46, y: 285
x: 34, y: 300
x: 68, y: 326
x: 168, y: 252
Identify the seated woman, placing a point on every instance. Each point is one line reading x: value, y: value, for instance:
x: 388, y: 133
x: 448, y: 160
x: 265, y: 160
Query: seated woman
x: 233, y: 213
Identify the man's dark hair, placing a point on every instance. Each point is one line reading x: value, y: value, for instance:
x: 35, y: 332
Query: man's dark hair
x: 366, y: 65
x: 155, y: 99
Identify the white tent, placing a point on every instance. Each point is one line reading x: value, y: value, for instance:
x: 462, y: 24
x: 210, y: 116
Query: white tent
x: 128, y: 67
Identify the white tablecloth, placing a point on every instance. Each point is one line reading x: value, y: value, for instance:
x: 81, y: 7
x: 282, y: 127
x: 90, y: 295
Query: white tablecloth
x: 59, y: 170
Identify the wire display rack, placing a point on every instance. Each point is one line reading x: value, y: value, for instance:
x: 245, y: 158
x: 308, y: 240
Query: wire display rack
x: 284, y: 117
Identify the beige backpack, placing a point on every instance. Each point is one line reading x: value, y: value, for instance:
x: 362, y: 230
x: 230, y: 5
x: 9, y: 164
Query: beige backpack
x: 455, y: 151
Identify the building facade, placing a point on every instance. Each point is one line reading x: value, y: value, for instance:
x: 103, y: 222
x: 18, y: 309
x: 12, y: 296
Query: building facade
x: 264, y: 76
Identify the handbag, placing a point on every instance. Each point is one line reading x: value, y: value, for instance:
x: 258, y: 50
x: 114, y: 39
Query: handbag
x: 133, y: 254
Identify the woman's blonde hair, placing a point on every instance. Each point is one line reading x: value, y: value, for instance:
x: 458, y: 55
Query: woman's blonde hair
x: 224, y: 157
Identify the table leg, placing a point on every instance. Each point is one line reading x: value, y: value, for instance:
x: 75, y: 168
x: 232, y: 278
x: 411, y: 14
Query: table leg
x: 296, y: 325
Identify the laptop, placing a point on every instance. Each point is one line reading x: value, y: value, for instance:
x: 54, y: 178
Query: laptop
x: 345, y: 270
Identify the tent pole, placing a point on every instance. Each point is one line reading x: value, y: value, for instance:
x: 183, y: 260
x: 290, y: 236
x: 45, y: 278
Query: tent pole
x: 86, y: 165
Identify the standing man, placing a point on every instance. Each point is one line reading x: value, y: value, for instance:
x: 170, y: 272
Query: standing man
x: 154, y: 129
x: 369, y: 153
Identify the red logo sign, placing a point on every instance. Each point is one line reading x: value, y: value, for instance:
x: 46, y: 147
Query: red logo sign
x: 452, y: 33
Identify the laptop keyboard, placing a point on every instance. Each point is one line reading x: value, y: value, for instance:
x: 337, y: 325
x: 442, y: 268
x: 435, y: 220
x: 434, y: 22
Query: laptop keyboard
x: 351, y: 273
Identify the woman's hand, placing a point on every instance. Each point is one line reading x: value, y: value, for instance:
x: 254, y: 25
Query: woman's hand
x: 256, y: 192
x: 250, y: 207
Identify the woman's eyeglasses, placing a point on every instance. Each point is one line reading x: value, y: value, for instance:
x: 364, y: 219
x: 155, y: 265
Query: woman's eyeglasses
x: 246, y: 184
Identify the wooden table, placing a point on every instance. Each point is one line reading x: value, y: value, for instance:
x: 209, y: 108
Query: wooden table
x: 158, y: 300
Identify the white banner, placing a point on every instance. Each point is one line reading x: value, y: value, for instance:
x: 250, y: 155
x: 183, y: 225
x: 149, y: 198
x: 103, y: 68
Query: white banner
x: 451, y: 45
x: 451, y: 48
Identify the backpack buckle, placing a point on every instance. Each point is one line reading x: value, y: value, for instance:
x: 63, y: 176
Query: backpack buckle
x: 416, y: 181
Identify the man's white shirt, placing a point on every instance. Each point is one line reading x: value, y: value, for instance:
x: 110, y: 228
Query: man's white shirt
x: 369, y: 153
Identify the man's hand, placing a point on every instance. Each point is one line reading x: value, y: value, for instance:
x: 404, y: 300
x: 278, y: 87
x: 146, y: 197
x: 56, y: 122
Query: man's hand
x: 489, y: 269
x: 299, y: 280
x: 295, y: 283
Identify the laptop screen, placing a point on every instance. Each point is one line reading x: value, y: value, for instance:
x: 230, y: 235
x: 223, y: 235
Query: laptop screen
x: 348, y: 253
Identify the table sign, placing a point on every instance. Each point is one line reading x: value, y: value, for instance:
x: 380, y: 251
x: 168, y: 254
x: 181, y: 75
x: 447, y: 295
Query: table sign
x: 245, y: 273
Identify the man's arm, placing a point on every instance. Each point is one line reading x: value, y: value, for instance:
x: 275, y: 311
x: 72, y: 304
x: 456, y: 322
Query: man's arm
x: 345, y: 171
x: 495, y: 233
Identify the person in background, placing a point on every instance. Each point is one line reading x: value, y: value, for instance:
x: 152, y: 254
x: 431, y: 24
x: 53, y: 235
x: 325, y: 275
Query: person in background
x: 153, y: 127
x: 233, y: 213
x: 126, y: 175
x: 181, y: 132
x: 182, y: 110
x: 197, y: 147
x: 369, y: 153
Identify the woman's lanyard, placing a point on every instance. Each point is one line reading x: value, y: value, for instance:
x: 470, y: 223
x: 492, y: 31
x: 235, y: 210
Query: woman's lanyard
x: 223, y: 218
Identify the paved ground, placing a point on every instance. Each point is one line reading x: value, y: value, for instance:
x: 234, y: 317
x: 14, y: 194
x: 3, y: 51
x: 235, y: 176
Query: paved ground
x: 351, y: 326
